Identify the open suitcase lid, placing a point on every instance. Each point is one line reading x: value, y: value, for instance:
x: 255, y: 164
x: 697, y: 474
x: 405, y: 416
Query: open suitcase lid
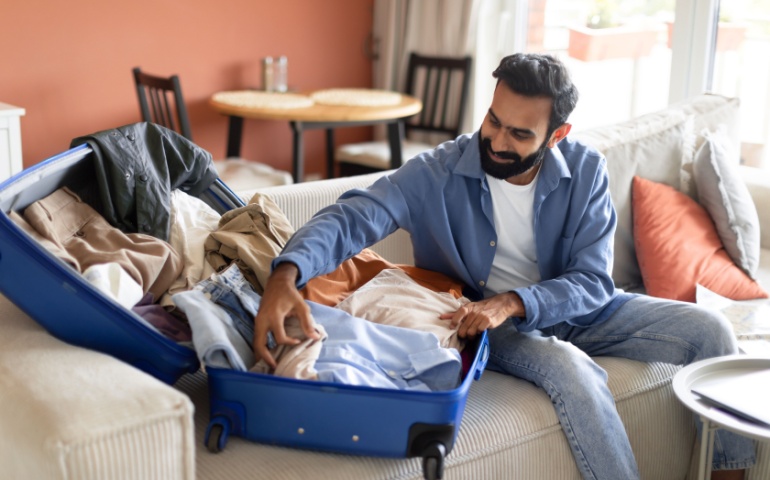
x: 57, y: 297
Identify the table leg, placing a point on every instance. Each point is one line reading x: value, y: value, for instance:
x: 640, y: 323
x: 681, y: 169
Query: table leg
x: 330, y: 153
x: 234, y: 135
x: 298, y: 154
x: 706, y: 449
x: 395, y: 140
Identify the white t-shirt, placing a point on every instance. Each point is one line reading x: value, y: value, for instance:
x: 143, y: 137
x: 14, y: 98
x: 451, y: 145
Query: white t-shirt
x: 515, y: 263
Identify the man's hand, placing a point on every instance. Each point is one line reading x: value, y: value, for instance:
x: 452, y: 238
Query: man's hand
x: 280, y: 301
x: 475, y: 317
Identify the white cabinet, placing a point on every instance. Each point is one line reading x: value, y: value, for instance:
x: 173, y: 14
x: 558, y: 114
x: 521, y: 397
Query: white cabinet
x: 10, y: 140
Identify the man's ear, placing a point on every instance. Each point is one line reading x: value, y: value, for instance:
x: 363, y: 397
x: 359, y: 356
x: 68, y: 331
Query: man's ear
x: 559, y: 134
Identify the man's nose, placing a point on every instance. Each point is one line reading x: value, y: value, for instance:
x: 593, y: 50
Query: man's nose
x: 499, y: 141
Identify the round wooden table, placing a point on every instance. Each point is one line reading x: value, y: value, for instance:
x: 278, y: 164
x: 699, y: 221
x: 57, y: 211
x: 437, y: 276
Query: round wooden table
x: 325, y: 116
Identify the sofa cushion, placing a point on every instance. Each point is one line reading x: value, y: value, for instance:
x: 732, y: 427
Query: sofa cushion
x: 758, y: 183
x: 68, y: 412
x: 509, y: 430
x: 659, y: 146
x: 678, y: 247
x: 710, y: 112
x: 301, y: 200
x: 651, y: 146
x: 727, y: 199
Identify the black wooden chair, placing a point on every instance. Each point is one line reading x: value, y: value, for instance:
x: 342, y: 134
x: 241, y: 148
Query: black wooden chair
x: 161, y: 102
x: 441, y: 83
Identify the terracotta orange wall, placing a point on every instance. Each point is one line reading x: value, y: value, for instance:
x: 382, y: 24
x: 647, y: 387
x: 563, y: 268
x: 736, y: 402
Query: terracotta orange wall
x: 69, y: 64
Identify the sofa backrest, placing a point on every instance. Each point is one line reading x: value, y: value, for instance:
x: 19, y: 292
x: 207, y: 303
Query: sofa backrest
x: 660, y: 147
x: 300, y: 201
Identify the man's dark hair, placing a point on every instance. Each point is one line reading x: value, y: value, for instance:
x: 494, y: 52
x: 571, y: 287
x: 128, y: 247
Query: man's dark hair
x: 537, y: 75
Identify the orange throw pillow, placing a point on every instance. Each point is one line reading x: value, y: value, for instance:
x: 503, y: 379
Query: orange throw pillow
x: 677, y: 246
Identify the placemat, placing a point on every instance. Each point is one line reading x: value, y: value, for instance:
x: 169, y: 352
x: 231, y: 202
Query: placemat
x: 256, y: 99
x: 357, y: 97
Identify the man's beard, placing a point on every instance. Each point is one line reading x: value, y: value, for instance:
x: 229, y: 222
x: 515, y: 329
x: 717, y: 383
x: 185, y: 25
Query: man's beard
x: 508, y: 169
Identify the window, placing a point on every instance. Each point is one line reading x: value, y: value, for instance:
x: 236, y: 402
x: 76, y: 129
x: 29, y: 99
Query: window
x: 630, y: 57
x: 742, y: 69
x: 616, y: 50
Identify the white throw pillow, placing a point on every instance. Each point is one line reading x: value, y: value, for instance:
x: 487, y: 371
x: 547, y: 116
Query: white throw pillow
x: 727, y: 199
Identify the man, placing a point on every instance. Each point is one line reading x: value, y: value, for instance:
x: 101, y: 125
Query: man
x: 523, y: 216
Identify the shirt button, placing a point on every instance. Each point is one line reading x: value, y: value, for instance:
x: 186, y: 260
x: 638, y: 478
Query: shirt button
x: 392, y: 374
x: 146, y: 227
x: 143, y: 177
x: 492, y: 243
x: 482, y: 283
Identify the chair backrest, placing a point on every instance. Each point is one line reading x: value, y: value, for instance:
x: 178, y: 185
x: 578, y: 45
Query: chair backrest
x: 161, y: 102
x: 442, y: 85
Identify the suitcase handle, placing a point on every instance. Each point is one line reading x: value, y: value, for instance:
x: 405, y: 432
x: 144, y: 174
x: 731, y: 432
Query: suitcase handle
x: 483, y: 358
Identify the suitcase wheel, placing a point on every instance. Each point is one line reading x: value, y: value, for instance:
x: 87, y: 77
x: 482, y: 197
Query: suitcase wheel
x: 433, y: 461
x: 216, y: 435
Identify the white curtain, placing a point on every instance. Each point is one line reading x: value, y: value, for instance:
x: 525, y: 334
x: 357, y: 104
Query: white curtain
x: 501, y: 30
x: 429, y: 27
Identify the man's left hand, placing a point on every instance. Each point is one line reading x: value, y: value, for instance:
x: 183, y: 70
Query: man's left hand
x: 475, y: 317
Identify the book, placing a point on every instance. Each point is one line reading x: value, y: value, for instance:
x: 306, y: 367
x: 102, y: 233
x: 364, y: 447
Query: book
x: 746, y: 395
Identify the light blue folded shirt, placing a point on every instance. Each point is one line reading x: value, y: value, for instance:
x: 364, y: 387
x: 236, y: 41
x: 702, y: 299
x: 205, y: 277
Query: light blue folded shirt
x: 355, y: 352
x: 360, y: 352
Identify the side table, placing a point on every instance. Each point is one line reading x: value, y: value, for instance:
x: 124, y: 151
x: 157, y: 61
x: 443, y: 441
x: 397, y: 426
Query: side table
x: 708, y: 371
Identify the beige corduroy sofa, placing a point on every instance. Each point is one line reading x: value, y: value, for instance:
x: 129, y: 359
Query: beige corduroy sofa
x: 70, y: 413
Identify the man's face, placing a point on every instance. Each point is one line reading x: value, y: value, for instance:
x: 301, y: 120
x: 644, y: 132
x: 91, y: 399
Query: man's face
x: 516, y: 166
x: 514, y: 135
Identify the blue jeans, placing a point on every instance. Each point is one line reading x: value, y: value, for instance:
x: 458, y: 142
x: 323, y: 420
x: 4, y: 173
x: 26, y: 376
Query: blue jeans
x: 646, y: 329
x: 221, y: 311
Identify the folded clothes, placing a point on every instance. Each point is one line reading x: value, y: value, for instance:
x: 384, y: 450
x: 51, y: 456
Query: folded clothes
x: 393, y: 298
x: 214, y: 335
x: 355, y: 351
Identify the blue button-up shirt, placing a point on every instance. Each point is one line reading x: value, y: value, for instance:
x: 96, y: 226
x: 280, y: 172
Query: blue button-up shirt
x: 443, y: 200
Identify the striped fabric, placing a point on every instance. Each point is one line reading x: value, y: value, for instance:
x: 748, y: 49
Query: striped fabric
x: 301, y: 200
x: 509, y: 430
x: 72, y: 413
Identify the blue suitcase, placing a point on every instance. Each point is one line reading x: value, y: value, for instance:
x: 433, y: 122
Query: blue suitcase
x: 261, y: 408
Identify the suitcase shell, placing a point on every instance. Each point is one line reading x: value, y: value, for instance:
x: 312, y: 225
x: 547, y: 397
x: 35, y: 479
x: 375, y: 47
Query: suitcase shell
x: 339, y: 418
x: 257, y: 407
x: 73, y: 310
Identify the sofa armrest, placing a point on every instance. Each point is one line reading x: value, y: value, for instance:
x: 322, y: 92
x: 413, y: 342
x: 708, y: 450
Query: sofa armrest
x: 758, y: 182
x: 69, y: 412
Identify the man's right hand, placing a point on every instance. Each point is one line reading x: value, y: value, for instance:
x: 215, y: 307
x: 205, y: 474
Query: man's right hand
x: 280, y: 300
